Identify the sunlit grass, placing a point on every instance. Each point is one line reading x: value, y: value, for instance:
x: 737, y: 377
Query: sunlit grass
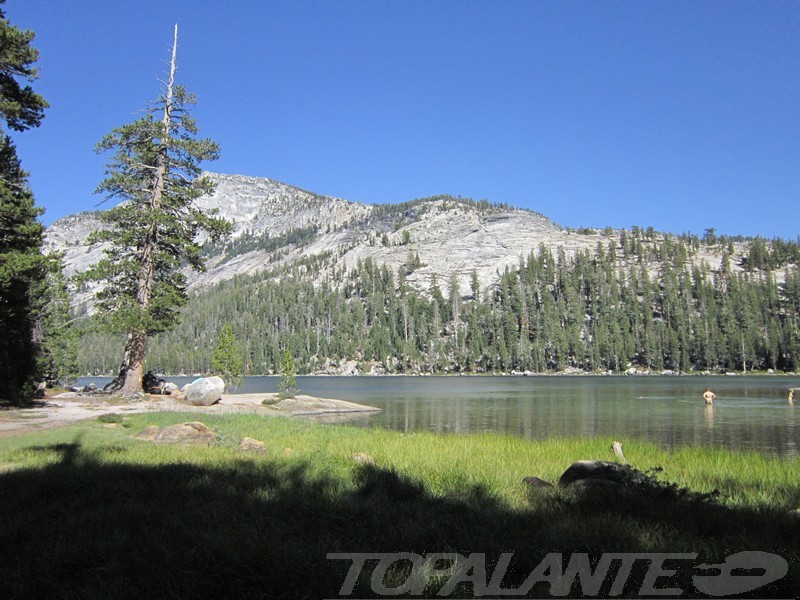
x: 443, y: 463
x: 170, y: 520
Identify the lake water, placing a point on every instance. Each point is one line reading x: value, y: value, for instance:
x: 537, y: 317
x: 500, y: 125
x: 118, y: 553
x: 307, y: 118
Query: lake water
x: 748, y: 413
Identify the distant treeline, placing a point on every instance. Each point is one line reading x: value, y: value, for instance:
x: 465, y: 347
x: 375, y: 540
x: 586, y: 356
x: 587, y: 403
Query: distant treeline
x: 249, y: 242
x: 639, y: 301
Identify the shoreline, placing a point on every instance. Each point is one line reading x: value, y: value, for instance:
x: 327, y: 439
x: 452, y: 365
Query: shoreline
x: 511, y: 374
x: 69, y: 407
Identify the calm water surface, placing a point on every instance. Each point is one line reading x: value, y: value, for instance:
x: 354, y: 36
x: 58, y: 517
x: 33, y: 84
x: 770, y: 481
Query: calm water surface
x: 748, y: 413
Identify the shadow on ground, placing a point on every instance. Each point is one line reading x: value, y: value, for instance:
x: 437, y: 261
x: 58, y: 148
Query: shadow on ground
x: 262, y: 529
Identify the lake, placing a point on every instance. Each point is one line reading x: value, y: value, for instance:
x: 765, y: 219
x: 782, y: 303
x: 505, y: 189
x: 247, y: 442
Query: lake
x: 750, y: 412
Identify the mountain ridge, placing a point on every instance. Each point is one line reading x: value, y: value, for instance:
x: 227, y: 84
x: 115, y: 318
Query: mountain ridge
x: 277, y: 225
x: 447, y: 284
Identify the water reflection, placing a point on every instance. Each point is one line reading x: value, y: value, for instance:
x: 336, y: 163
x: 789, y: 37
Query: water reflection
x: 709, y: 416
x: 748, y: 412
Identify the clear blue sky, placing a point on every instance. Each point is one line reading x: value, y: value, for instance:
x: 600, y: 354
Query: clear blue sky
x: 676, y: 115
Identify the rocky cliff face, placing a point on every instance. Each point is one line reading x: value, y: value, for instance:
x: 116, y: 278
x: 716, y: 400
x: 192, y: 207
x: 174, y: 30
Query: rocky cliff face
x: 277, y: 225
x: 68, y: 235
x: 262, y: 206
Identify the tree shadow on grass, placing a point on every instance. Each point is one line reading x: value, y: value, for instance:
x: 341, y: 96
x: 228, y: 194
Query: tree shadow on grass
x: 83, y: 528
x: 8, y: 405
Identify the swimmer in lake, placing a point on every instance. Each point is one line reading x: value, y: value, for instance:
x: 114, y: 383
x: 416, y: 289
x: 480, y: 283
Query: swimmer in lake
x: 709, y: 396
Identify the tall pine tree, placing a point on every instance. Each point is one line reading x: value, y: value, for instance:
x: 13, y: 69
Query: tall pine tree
x: 22, y: 266
x: 228, y: 358
x: 155, y: 230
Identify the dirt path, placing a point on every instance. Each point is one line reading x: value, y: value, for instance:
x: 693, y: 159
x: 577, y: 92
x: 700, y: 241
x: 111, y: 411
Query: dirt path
x: 63, y: 409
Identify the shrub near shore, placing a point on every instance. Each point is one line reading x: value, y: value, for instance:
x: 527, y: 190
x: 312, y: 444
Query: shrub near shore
x: 89, y: 511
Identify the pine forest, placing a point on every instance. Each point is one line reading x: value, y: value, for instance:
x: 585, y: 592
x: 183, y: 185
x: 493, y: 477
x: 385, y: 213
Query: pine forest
x: 641, y: 301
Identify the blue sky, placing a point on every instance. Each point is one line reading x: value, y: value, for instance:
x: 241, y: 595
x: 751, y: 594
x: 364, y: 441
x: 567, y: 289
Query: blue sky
x: 676, y: 115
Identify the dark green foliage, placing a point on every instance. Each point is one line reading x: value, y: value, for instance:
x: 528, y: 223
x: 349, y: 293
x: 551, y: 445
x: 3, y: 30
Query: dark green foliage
x: 288, y: 383
x: 110, y: 418
x: 54, y: 333
x: 229, y: 357
x: 22, y: 271
x: 771, y: 255
x: 20, y: 107
x: 177, y: 222
x: 640, y: 304
x: 248, y: 243
x: 22, y: 266
x: 154, y: 232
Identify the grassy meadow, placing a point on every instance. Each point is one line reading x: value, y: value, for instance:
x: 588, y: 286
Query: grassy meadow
x: 86, y: 511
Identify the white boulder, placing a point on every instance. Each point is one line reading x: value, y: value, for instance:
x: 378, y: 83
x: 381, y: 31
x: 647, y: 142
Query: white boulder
x: 205, y: 391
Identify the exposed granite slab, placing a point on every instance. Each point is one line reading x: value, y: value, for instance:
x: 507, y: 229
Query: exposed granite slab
x: 70, y: 407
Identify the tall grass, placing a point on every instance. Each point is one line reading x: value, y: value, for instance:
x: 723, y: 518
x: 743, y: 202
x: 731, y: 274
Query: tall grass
x: 88, y: 511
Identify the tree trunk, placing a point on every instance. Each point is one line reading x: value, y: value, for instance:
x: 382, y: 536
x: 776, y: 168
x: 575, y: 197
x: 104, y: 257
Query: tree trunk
x: 744, y: 358
x: 133, y: 359
x: 133, y: 363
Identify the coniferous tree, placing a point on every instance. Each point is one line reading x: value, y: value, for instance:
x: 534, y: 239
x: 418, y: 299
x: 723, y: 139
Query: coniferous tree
x: 228, y: 358
x: 54, y: 334
x: 22, y: 270
x: 583, y: 311
x: 287, y: 384
x: 22, y: 266
x: 154, y: 231
x: 20, y: 107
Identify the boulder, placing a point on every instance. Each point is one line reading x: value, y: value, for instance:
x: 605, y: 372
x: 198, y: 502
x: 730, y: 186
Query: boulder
x: 595, y: 469
x: 606, y: 486
x: 148, y: 433
x: 171, y: 388
x: 205, y: 391
x: 536, y: 482
x: 251, y: 445
x: 152, y: 384
x: 187, y: 434
x: 363, y: 458
x: 598, y: 484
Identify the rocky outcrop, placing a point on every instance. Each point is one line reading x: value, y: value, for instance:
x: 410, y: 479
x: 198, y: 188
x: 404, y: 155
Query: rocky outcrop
x: 259, y: 205
x: 448, y: 235
x: 249, y: 444
x: 625, y: 481
x: 590, y: 475
x: 184, y: 434
x: 148, y: 433
x: 594, y: 469
x: 310, y: 405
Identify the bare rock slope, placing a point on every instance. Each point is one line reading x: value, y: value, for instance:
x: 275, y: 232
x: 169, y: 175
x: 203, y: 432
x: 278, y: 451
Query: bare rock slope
x: 276, y: 225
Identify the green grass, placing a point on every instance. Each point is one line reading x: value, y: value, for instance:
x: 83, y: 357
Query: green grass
x: 88, y: 511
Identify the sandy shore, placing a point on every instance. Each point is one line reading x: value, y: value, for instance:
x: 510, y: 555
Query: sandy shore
x: 69, y: 407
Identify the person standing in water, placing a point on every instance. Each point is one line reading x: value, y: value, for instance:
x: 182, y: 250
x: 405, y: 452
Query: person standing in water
x: 709, y: 396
